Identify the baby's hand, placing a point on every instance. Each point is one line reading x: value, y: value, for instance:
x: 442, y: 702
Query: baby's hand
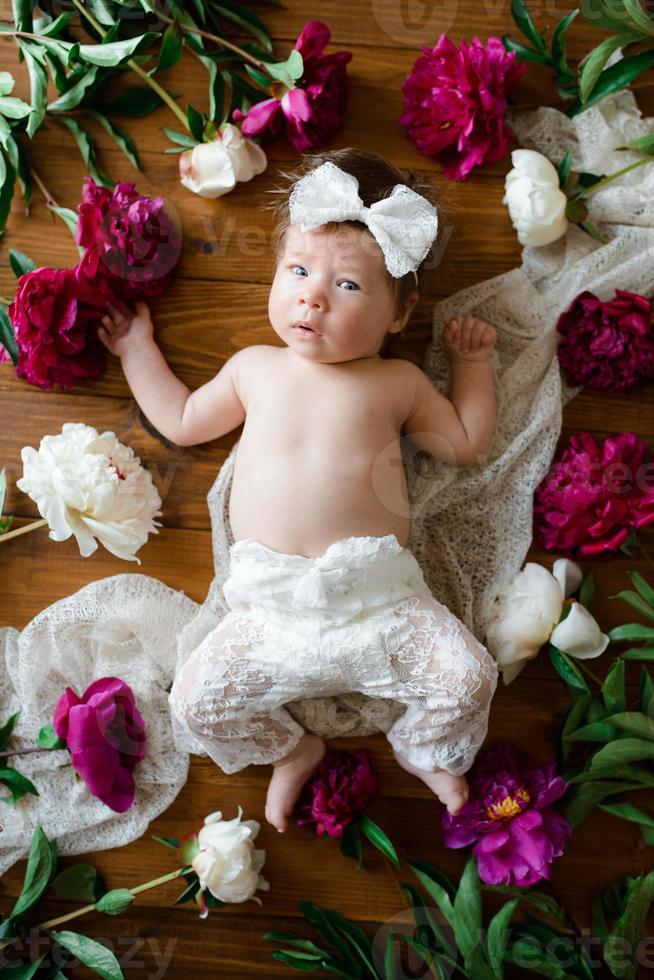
x: 468, y: 339
x: 123, y: 330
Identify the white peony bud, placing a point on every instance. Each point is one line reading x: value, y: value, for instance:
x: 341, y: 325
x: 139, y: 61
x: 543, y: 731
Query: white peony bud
x: 535, y: 201
x: 91, y: 486
x: 213, y: 169
x: 227, y: 863
x: 579, y: 634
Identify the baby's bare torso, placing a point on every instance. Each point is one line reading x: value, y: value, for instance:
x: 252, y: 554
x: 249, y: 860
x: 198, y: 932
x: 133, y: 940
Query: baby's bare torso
x: 319, y: 458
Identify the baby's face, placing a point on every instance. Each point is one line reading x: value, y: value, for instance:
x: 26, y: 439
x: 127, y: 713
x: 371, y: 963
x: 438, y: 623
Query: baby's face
x: 335, y: 283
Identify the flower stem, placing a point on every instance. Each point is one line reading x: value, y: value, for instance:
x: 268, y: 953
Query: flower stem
x: 607, y: 180
x: 155, y: 86
x: 22, y: 530
x: 51, y: 923
x: 35, y: 748
x: 645, y: 553
x: 588, y: 672
x: 49, y: 199
x: 261, y: 65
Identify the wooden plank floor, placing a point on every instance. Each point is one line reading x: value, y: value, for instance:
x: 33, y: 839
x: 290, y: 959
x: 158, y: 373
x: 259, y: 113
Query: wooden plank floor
x: 216, y: 306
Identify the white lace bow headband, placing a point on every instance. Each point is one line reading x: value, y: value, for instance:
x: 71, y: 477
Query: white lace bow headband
x: 404, y: 225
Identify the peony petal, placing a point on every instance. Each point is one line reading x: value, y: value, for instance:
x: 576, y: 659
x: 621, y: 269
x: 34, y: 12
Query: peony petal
x: 579, y: 634
x: 568, y: 574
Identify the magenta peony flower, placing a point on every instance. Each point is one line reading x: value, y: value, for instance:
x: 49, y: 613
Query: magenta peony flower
x: 607, y: 346
x: 55, y: 318
x: 105, y: 735
x: 312, y: 112
x: 510, y: 819
x: 128, y: 238
x: 344, y: 784
x: 593, y: 495
x: 455, y: 100
x: 4, y: 355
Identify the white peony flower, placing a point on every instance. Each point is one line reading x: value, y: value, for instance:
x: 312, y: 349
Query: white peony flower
x: 213, y: 169
x: 92, y: 486
x: 527, y: 612
x: 227, y: 863
x: 535, y: 201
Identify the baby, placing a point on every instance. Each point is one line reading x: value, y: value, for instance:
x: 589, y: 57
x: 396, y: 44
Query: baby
x: 324, y: 596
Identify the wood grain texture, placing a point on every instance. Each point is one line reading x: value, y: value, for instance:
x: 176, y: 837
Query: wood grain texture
x: 216, y: 306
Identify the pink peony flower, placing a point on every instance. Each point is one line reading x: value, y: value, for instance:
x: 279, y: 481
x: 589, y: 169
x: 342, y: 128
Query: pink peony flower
x: 510, y: 819
x: 4, y: 355
x: 607, y: 346
x: 593, y: 495
x: 455, y: 100
x: 312, y: 112
x: 128, y: 238
x: 344, y: 784
x: 105, y: 735
x: 55, y: 317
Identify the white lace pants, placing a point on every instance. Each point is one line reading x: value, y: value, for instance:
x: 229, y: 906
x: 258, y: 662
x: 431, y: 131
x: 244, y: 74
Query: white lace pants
x: 358, y: 618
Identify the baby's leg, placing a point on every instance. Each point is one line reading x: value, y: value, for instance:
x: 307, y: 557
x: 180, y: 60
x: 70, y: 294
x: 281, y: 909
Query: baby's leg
x: 447, y: 680
x: 229, y: 695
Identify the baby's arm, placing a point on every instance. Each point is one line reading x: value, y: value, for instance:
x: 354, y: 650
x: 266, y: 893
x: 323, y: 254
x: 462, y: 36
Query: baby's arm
x: 184, y: 418
x: 459, y: 430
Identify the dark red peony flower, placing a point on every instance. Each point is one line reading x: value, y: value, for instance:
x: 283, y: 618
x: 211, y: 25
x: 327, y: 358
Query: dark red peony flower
x: 344, y: 784
x: 455, y: 101
x: 128, y: 238
x: 55, y: 318
x: 607, y: 346
x: 312, y: 112
x: 593, y: 495
x: 510, y: 819
x: 105, y: 735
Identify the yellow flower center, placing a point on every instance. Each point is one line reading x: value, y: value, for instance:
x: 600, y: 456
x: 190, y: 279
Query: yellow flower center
x: 509, y: 807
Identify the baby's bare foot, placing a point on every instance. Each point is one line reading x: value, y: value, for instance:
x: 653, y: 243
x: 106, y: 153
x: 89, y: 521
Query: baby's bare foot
x: 451, y: 790
x: 289, y: 776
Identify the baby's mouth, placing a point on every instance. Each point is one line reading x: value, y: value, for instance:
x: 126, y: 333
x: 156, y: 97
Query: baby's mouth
x: 305, y: 329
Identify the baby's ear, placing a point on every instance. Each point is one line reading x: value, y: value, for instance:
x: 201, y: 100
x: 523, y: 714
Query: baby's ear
x: 400, y: 319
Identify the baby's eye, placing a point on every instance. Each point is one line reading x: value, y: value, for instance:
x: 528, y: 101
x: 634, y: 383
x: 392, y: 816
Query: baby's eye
x: 298, y: 270
x: 349, y: 285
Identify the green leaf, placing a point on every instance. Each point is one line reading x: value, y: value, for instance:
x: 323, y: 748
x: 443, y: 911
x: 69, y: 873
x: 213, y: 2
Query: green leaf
x: 80, y: 882
x: 4, y: 734
x: 646, y: 691
x: 356, y: 937
x: 172, y: 842
x: 21, y: 971
x: 498, y: 932
x: 638, y: 653
x: 293, y: 940
x: 93, y: 954
x: 624, y: 750
x: 17, y: 784
x: 304, y: 962
x: 69, y: 218
x: 196, y: 123
x: 639, y: 19
x: 587, y: 591
x: 644, y: 144
x: 527, y: 54
x: 13, y: 108
x: 381, y: 841
x: 636, y: 602
x: 22, y: 11
x: 20, y: 263
x: 427, y: 925
x: 115, y: 53
x: 183, y: 139
x: 596, y: 731
x: 48, y: 738
x: 7, y: 180
x: 171, y: 47
x: 351, y: 844
x: 559, y: 58
x: 10, y: 724
x: 566, y: 669
x: 438, y: 886
x: 594, y: 62
x: 323, y: 925
x: 6, y: 83
x: 74, y: 95
x: 467, y: 909
x: 87, y: 148
x: 564, y: 172
x: 612, y: 79
x: 189, y: 893
x: 587, y: 796
x: 523, y: 21
x: 641, y: 584
x: 626, y: 811
x: 247, y: 20
x: 216, y: 91
x: 629, y: 928
x: 115, y: 901
x: 7, y: 338
x: 20, y: 163
x: 543, y: 903
x: 634, y: 722
x: 288, y: 71
x: 41, y: 865
x: 120, y: 137
x: 570, y: 723
x: 613, y: 692
x: 38, y: 88
x: 136, y: 102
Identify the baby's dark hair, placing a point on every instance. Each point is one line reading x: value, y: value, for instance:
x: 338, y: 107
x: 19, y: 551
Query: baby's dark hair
x: 377, y: 178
